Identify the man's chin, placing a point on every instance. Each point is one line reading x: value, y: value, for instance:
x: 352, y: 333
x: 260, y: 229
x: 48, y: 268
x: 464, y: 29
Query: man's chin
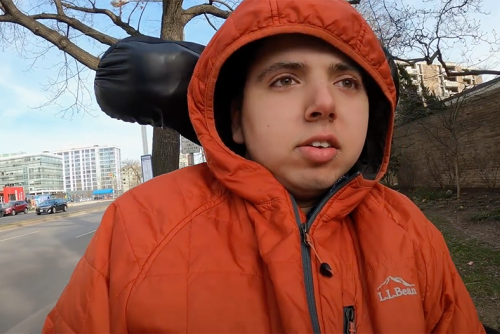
x: 311, y: 189
x: 320, y: 180
x: 309, y: 183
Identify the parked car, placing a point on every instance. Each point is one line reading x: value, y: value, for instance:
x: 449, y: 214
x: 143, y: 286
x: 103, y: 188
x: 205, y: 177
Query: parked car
x: 52, y: 206
x: 2, y: 210
x: 13, y: 208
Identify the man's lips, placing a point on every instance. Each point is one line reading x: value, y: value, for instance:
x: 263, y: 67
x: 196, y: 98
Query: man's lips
x: 319, y: 155
x: 330, y: 139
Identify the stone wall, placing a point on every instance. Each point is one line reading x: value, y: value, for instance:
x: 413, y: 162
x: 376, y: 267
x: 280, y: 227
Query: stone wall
x: 465, y: 136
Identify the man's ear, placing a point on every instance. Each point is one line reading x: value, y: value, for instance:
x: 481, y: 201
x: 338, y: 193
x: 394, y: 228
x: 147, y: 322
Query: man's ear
x: 236, y: 122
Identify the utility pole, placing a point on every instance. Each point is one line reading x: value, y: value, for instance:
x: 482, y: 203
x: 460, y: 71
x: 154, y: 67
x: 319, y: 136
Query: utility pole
x: 145, y: 148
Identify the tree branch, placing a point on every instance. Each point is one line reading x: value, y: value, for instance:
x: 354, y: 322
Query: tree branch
x: 464, y: 72
x: 59, y: 7
x: 210, y: 22
x: 115, y: 18
x: 437, y: 55
x: 210, y: 2
x: 197, y: 10
x: 14, y: 15
x: 78, y: 25
x: 6, y: 18
x: 413, y: 61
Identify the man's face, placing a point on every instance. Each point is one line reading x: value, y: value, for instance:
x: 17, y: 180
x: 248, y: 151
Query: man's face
x: 304, y: 115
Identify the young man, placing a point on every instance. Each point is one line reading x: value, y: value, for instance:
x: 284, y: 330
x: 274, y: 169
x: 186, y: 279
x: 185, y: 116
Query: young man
x: 286, y: 228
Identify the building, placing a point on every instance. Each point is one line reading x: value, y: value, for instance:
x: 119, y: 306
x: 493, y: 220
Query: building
x: 131, y: 177
x: 91, y: 168
x: 183, y: 160
x: 434, y: 78
x: 36, y: 173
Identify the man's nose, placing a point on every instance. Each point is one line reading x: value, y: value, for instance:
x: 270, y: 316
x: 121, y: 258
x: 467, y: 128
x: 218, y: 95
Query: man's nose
x: 322, y: 103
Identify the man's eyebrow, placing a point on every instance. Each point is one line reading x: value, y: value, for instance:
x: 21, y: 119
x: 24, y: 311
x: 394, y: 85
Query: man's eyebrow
x: 344, y: 67
x: 291, y: 65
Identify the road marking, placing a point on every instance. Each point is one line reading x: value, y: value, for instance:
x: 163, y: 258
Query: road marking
x: 81, y: 235
x: 47, y: 219
x: 22, y: 235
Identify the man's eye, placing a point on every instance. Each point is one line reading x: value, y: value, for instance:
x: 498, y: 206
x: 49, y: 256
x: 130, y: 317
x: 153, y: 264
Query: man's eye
x: 348, y: 83
x: 284, y: 82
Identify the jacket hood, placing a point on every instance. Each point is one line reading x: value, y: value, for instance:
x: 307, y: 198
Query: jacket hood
x: 334, y: 21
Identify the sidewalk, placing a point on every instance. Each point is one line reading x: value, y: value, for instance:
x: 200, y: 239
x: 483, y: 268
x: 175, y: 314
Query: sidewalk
x: 72, y: 204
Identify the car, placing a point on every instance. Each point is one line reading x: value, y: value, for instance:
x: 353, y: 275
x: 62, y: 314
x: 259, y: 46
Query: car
x: 15, y: 207
x: 52, y: 206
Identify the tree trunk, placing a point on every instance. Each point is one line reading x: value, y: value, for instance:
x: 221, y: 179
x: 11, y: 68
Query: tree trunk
x: 166, y: 142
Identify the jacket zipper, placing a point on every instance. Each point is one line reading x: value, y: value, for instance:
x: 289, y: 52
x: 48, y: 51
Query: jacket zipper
x: 306, y: 254
x: 349, y: 320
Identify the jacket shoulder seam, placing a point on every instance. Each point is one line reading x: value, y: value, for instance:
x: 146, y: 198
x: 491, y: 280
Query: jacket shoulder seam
x: 168, y: 236
x: 99, y: 271
x: 60, y: 317
x: 120, y: 220
x: 91, y: 298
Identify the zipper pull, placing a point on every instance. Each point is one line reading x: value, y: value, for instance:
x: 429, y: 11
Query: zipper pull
x: 349, y: 317
x: 352, y: 329
x: 324, y: 267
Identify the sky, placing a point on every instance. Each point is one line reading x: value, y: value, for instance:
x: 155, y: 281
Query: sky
x: 26, y: 127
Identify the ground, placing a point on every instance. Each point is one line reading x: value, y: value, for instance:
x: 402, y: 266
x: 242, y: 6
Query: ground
x: 471, y: 227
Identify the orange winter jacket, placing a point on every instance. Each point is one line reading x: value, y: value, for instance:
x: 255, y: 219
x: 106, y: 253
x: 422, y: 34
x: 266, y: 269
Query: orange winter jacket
x: 219, y: 247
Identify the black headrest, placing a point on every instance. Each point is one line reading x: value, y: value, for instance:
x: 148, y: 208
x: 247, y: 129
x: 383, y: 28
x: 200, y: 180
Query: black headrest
x: 145, y: 80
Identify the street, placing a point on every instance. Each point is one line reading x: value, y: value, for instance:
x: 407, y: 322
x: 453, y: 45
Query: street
x: 71, y: 208
x: 36, y: 263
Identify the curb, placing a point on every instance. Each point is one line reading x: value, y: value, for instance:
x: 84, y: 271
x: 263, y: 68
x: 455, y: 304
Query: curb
x: 35, y: 221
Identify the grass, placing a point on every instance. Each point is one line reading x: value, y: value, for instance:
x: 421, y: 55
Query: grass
x: 493, y: 215
x: 430, y: 194
x: 482, y: 278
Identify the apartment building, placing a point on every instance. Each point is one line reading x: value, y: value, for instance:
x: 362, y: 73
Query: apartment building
x: 36, y: 173
x: 131, y: 177
x: 91, y: 168
x: 435, y: 79
x: 183, y: 160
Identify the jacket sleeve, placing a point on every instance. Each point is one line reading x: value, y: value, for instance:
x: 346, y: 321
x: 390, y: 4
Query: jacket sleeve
x: 449, y: 307
x: 83, y: 306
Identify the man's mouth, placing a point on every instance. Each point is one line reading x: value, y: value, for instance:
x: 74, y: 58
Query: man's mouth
x: 322, y: 141
x: 320, y: 144
x: 319, y: 149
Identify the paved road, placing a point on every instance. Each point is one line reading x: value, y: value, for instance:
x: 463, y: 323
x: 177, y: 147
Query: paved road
x: 36, y: 263
x: 32, y: 215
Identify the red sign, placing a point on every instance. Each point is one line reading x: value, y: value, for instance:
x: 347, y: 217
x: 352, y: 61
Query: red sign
x: 13, y: 194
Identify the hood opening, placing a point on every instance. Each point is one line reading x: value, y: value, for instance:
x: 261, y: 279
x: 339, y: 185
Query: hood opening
x: 229, y: 87
x: 372, y: 156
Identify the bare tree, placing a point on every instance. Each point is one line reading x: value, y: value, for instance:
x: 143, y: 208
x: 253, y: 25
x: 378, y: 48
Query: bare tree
x: 433, y: 168
x: 70, y: 25
x: 447, y: 136
x: 488, y: 167
x: 431, y: 31
x: 131, y: 170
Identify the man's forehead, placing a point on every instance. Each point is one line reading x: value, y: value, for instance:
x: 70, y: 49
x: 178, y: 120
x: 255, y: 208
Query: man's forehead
x: 293, y: 48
